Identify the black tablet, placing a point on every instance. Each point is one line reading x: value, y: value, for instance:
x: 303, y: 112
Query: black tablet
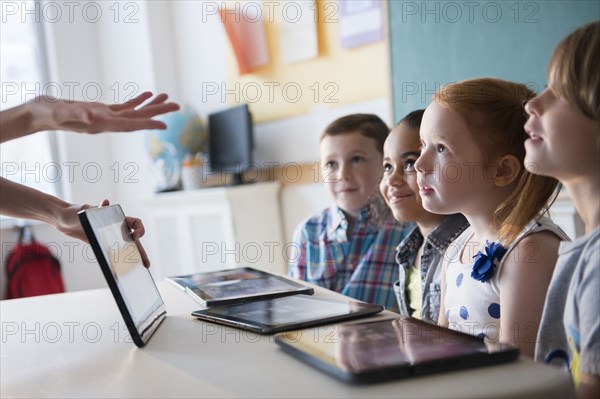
x: 269, y: 316
x: 130, y: 282
x: 236, y: 285
x: 391, y: 349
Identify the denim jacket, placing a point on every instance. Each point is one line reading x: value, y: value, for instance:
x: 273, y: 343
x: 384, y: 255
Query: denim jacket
x: 431, y: 270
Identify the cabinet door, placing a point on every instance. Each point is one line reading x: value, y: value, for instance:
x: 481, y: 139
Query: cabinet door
x: 166, y: 250
x: 215, y: 229
x: 190, y: 239
x: 212, y: 241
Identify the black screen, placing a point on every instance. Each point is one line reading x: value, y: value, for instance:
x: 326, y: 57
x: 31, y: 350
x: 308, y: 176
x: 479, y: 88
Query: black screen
x: 290, y: 310
x: 231, y: 141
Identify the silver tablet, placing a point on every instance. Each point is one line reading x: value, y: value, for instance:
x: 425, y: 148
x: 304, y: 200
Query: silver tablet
x: 130, y: 282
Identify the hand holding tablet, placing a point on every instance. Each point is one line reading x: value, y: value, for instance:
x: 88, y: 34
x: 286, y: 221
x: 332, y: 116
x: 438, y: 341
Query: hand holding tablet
x: 130, y: 282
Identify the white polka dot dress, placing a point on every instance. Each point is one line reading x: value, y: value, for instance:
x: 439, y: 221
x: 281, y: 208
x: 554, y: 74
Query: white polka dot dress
x: 473, y: 307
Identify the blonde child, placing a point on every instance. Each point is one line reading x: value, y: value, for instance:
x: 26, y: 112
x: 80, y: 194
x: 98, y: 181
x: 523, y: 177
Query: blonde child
x: 496, y: 273
x: 564, y: 131
x: 349, y: 246
x: 421, y: 253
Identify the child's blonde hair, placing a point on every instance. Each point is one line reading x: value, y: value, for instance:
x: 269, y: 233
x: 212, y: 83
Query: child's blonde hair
x: 493, y: 110
x: 573, y: 69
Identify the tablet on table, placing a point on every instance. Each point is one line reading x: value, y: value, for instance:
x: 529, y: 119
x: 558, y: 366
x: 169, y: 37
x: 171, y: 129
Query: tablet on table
x: 269, y: 316
x: 398, y: 348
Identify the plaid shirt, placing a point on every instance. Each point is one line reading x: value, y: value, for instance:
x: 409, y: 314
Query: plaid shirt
x: 363, y: 267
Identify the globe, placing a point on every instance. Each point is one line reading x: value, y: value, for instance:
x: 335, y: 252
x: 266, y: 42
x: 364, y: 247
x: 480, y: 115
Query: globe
x: 185, y: 134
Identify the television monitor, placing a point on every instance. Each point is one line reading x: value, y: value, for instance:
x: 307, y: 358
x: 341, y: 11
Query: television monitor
x: 231, y: 141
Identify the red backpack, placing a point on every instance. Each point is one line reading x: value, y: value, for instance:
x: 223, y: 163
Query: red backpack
x: 32, y: 269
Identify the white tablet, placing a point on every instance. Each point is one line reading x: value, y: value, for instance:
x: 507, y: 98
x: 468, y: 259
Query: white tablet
x: 130, y: 282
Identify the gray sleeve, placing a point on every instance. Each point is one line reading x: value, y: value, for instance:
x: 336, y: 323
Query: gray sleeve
x: 588, y: 301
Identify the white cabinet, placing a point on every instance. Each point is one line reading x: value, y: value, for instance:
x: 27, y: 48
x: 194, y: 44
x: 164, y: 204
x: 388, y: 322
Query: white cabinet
x: 216, y: 228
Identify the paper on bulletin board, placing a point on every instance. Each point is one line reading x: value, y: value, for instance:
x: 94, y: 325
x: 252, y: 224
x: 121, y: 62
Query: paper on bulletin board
x: 360, y: 22
x: 277, y: 90
x: 298, y: 31
x: 246, y: 31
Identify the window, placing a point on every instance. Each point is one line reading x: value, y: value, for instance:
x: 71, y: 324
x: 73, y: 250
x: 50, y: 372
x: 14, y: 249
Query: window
x: 23, y: 75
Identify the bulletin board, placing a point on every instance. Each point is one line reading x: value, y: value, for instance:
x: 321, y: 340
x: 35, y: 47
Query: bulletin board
x: 335, y: 77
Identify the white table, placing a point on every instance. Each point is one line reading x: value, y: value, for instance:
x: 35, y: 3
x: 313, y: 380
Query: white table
x: 73, y: 345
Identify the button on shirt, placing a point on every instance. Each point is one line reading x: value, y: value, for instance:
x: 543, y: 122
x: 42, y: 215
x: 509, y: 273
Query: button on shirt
x: 361, y: 266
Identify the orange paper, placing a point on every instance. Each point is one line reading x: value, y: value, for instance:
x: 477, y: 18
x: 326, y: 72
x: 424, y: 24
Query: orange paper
x: 247, y: 36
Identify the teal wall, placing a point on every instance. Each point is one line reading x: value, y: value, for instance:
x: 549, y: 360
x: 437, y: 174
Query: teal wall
x: 437, y: 42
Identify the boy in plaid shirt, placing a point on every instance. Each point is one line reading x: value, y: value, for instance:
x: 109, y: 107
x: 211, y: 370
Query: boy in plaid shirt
x: 349, y: 247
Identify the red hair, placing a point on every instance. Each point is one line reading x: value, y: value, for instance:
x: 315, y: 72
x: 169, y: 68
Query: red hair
x: 494, y: 113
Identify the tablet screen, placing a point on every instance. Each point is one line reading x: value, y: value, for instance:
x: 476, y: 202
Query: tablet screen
x: 239, y: 285
x: 396, y: 348
x: 200, y: 279
x: 243, y: 288
x: 368, y: 347
x: 116, y: 250
x: 135, y: 284
x: 295, y: 310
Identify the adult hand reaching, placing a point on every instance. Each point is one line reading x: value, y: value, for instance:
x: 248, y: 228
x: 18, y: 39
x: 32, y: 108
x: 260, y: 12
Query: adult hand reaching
x: 48, y: 113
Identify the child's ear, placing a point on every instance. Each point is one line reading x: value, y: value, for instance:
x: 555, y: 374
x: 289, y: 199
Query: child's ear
x: 509, y: 168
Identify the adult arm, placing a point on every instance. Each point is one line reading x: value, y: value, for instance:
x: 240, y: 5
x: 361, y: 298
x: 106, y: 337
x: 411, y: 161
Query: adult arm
x: 47, y: 113
x: 20, y: 201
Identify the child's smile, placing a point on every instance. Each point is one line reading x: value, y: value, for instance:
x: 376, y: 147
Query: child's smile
x: 399, y: 184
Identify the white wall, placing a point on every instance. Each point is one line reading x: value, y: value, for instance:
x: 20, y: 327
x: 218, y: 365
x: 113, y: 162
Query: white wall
x: 175, y: 47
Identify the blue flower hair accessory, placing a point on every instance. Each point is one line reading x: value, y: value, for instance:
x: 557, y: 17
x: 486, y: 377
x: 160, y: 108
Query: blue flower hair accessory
x: 485, y: 264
